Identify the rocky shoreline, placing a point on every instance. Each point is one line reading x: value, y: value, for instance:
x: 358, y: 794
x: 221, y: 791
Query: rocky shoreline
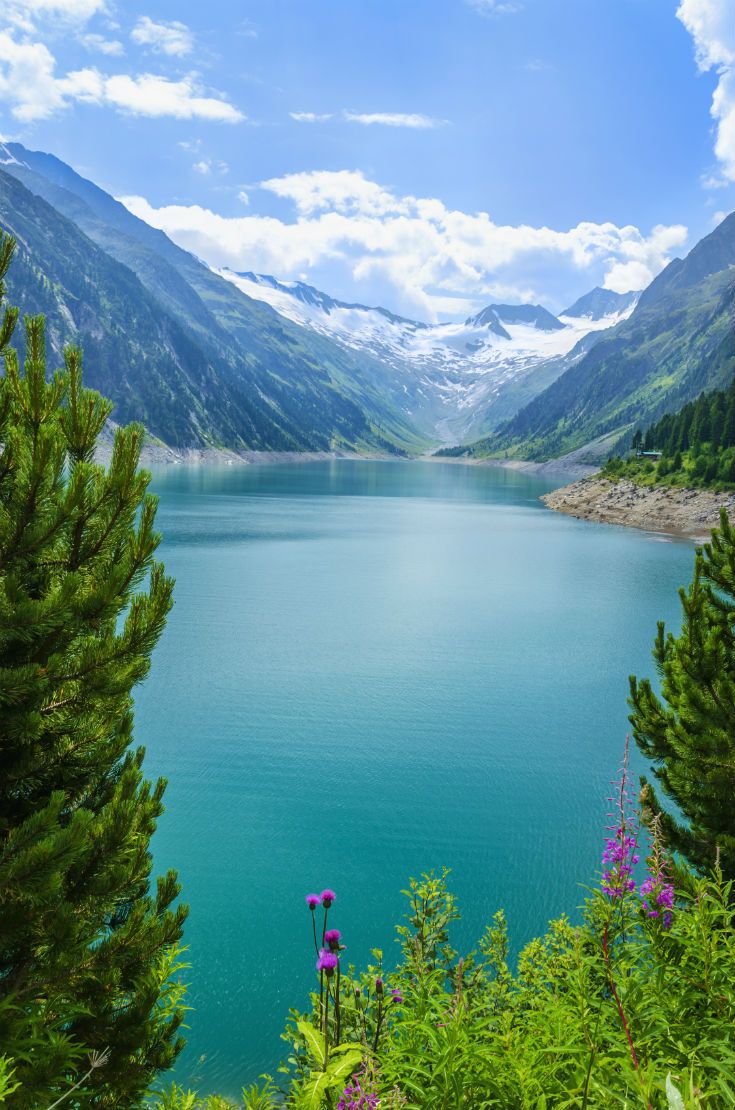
x: 681, y: 512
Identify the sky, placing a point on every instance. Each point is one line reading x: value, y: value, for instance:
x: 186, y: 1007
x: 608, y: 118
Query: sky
x: 431, y: 156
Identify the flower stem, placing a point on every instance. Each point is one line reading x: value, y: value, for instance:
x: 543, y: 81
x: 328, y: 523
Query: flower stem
x: 619, y: 1004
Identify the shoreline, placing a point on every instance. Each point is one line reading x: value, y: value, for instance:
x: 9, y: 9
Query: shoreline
x: 687, y: 513
x: 158, y: 454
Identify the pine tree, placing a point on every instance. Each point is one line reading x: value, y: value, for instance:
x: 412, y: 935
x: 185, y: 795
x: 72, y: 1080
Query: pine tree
x: 689, y: 733
x: 87, y: 950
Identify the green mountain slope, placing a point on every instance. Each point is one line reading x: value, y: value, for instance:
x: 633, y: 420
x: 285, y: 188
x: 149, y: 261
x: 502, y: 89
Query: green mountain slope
x: 678, y: 341
x: 323, y: 395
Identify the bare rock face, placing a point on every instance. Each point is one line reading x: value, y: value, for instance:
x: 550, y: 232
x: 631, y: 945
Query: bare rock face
x: 683, y: 512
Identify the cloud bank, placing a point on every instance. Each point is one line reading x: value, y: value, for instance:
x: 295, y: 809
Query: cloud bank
x: 426, y: 251
x: 711, y: 23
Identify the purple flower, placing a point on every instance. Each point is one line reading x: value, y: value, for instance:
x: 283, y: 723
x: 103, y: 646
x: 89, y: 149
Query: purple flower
x: 397, y: 996
x: 656, y: 892
x: 327, y: 897
x: 327, y: 961
x: 312, y: 901
x: 360, y: 1093
x: 331, y: 939
x: 378, y: 985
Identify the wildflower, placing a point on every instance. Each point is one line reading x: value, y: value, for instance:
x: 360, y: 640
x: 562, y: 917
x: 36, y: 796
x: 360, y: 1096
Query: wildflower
x: 355, y: 1097
x: 327, y: 897
x: 327, y: 962
x: 379, y: 986
x: 360, y: 1093
x: 657, y: 893
x: 620, y: 856
x: 332, y: 938
x: 397, y: 996
x: 312, y: 901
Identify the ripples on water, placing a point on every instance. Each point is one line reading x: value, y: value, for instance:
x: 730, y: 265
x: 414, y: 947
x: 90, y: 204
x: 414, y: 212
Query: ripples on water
x: 374, y: 669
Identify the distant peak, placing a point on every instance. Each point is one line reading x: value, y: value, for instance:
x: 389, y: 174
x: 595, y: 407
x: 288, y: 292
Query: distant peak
x: 7, y: 158
x: 533, y: 315
x: 602, y: 302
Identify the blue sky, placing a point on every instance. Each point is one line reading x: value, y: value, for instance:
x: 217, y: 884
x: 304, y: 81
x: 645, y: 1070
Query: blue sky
x: 429, y: 155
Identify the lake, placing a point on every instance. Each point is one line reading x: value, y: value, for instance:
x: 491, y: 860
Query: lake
x: 375, y: 669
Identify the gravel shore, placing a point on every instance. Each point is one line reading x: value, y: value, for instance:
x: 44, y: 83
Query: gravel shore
x: 682, y: 512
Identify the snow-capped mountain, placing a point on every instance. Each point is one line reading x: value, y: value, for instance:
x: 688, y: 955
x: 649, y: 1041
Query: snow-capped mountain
x: 599, y: 303
x: 459, y: 379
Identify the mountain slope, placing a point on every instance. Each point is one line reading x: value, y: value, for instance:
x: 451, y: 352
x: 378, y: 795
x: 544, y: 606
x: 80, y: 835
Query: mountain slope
x: 678, y: 341
x: 318, y: 395
x: 135, y: 353
x: 454, y: 381
x: 602, y: 302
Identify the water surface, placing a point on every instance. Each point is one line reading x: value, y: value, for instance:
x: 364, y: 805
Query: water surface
x: 374, y: 669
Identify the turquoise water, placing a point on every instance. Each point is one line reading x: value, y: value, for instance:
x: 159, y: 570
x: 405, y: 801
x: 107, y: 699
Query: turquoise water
x: 374, y: 669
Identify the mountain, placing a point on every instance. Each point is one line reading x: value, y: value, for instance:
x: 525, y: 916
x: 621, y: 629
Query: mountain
x: 602, y: 302
x: 535, y: 315
x: 677, y: 342
x: 272, y: 385
x: 454, y: 381
x: 261, y: 363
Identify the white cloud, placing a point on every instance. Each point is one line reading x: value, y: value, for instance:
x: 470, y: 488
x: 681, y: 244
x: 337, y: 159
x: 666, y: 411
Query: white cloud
x: 393, y: 119
x: 426, y: 251
x: 207, y: 166
x: 642, y: 258
x: 173, y: 38
x: 99, y: 44
x: 384, y: 119
x: 711, y: 23
x: 496, y: 7
x: 27, y: 79
x: 243, y: 197
x: 28, y: 82
x: 24, y: 13
x: 310, y: 117
x: 150, y: 95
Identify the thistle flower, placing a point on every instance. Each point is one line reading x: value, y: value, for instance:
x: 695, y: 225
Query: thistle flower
x: 379, y: 986
x: 397, y: 996
x: 332, y: 939
x: 327, y: 897
x: 312, y: 901
x: 327, y: 962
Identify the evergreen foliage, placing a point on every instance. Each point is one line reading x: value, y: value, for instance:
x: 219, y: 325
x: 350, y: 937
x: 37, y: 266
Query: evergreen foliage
x: 696, y: 444
x: 689, y: 732
x: 87, y: 950
x: 678, y: 341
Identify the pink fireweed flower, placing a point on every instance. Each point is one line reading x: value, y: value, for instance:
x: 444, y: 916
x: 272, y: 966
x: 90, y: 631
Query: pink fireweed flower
x: 312, y: 901
x: 620, y: 856
x: 332, y: 940
x: 658, y: 900
x: 327, y: 897
x: 358, y: 1097
x: 327, y: 962
x: 657, y: 892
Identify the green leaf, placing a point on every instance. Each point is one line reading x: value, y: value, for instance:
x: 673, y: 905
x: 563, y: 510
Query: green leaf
x: 342, y: 1068
x: 314, y: 1041
x: 312, y: 1095
x: 673, y: 1094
